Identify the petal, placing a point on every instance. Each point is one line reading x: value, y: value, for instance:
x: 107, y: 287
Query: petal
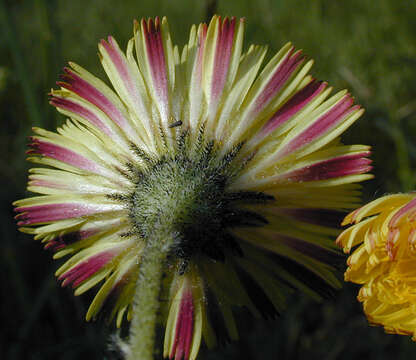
x: 51, y: 181
x: 129, y: 84
x: 89, y: 266
x: 192, y: 56
x: 220, y: 62
x: 328, y: 121
x: 47, y: 209
x: 80, y: 82
x: 116, y: 294
x: 276, y: 83
x: 247, y: 70
x: 377, y: 206
x: 321, y: 166
x: 184, y: 324
x: 155, y: 59
x: 299, y: 102
x: 78, y: 110
x: 67, y: 151
x: 407, y: 212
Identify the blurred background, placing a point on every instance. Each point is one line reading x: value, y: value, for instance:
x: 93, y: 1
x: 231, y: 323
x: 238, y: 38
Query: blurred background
x: 366, y: 46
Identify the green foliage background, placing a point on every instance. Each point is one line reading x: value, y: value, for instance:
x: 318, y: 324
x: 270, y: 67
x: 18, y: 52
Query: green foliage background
x: 366, y: 46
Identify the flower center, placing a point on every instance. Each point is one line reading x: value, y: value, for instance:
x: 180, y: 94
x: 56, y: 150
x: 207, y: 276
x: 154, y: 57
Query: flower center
x: 187, y: 194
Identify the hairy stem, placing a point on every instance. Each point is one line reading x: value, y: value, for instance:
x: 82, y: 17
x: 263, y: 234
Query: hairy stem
x: 146, y: 298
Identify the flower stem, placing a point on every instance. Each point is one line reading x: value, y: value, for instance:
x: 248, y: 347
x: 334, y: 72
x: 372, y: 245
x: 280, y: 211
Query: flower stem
x: 146, y: 298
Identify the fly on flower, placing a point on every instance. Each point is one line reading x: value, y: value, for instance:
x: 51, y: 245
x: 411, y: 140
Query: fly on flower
x: 240, y: 165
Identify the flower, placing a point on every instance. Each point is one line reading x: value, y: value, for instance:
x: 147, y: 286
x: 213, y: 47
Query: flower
x: 242, y: 167
x: 384, y: 260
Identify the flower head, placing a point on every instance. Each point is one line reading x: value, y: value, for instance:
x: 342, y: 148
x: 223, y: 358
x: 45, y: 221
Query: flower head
x: 384, y: 260
x: 241, y: 167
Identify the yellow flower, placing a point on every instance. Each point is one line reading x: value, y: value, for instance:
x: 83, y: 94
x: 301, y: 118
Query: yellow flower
x: 384, y: 260
x: 239, y: 169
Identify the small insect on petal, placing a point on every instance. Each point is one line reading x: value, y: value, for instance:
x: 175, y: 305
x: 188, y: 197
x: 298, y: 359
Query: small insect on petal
x: 175, y: 124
